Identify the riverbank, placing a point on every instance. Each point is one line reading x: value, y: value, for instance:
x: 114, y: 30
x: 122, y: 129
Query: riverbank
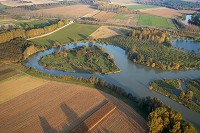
x: 173, y: 89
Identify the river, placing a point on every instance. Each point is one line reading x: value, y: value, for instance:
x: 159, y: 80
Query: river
x: 133, y: 78
x: 187, y: 18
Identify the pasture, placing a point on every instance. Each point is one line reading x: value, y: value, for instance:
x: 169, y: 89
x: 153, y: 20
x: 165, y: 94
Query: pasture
x: 3, y: 6
x: 155, y: 21
x: 139, y: 7
x: 71, y: 33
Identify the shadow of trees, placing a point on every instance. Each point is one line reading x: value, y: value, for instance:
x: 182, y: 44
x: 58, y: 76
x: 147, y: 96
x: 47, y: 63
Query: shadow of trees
x: 75, y: 123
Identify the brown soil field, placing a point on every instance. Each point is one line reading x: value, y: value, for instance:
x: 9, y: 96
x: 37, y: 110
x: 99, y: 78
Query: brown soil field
x: 17, y: 3
x: 59, y: 107
x: 165, y: 12
x: 91, y: 14
x: 104, y: 16
x: 131, y: 22
x: 18, y: 85
x: 108, y: 31
x: 73, y: 11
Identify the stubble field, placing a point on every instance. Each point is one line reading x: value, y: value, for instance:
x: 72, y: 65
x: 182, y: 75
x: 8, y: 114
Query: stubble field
x: 73, y: 11
x: 59, y: 107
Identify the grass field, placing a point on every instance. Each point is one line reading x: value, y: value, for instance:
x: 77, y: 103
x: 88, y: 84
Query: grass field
x: 138, y: 7
x: 156, y: 21
x: 68, y: 34
x: 3, y: 6
x: 120, y: 16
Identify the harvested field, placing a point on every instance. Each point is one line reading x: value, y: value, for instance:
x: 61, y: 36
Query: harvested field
x: 128, y: 19
x: 18, y: 85
x: 59, y: 107
x: 165, y: 12
x: 17, y: 3
x: 104, y: 16
x: 108, y: 31
x: 73, y: 11
x: 92, y: 13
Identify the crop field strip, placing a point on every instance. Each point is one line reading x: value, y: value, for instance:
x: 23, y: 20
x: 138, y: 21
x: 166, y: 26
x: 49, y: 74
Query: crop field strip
x: 7, y: 73
x: 104, y: 16
x: 95, y: 118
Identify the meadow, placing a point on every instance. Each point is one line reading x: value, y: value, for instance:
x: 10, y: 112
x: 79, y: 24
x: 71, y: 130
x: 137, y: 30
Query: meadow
x: 3, y: 6
x: 155, y: 21
x: 71, y: 33
x: 138, y: 7
x: 120, y: 16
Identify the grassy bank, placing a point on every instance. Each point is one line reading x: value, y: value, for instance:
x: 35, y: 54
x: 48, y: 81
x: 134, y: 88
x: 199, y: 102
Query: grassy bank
x: 189, y: 98
x: 71, y: 33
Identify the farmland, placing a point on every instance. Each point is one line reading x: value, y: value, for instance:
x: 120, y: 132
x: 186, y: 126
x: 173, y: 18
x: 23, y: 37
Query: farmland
x: 138, y: 7
x: 104, y: 16
x: 66, y: 11
x: 156, y: 21
x: 166, y: 12
x: 108, y: 31
x: 7, y: 72
x: 68, y: 34
x: 35, y: 110
x: 24, y: 84
x: 3, y: 6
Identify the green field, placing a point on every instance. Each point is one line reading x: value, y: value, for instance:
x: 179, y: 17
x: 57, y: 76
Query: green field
x: 68, y: 34
x: 156, y: 21
x: 120, y: 16
x: 3, y: 6
x: 138, y: 7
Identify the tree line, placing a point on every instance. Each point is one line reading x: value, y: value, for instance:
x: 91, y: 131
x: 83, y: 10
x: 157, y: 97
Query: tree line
x: 15, y: 33
x: 154, y: 35
x: 195, y: 19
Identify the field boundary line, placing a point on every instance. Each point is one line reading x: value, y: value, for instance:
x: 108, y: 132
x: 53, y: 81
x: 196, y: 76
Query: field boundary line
x: 102, y: 119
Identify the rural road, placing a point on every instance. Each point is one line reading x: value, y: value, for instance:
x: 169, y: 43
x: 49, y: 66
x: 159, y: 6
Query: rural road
x: 71, y: 22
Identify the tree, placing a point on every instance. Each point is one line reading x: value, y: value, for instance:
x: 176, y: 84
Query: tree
x: 182, y: 94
